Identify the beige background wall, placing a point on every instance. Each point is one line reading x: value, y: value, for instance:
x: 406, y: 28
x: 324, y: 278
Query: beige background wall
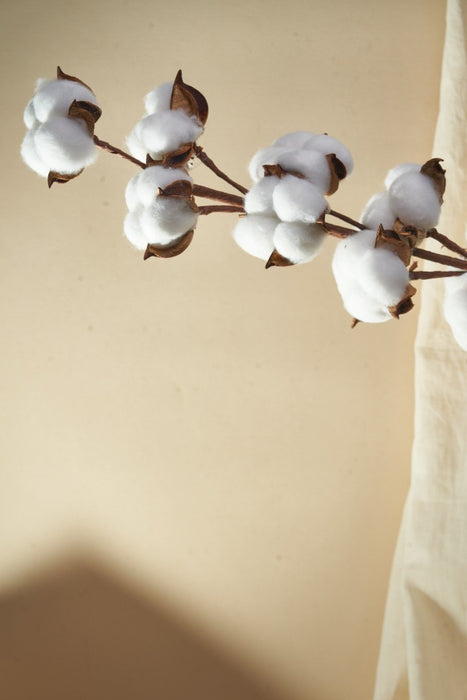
x: 203, y: 468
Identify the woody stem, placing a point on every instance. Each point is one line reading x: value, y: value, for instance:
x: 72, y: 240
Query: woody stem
x: 442, y: 259
x: 446, y: 242
x: 434, y: 274
x: 337, y: 231
x: 211, y: 209
x: 105, y: 146
x: 345, y: 218
x: 209, y: 193
x: 204, y: 158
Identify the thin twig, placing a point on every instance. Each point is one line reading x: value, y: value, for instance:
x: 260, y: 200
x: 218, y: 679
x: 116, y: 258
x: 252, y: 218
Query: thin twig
x: 204, y: 158
x: 338, y: 231
x: 442, y: 259
x: 345, y: 218
x: 209, y: 193
x: 447, y: 242
x: 105, y: 146
x: 211, y: 209
x: 435, y: 274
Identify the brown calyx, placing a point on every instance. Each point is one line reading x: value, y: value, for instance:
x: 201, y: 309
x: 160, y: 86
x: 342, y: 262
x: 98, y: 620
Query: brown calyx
x: 401, y: 240
x: 87, y: 111
x: 169, y: 251
x: 277, y: 260
x: 188, y: 98
x: 405, y: 304
x: 433, y: 170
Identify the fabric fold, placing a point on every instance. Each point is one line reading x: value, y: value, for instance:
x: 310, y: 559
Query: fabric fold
x: 423, y: 654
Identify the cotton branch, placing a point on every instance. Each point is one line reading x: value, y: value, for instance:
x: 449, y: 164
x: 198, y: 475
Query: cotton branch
x: 209, y: 193
x: 211, y: 209
x: 434, y: 274
x: 446, y: 242
x: 105, y: 146
x: 442, y: 259
x: 204, y: 158
x: 347, y: 219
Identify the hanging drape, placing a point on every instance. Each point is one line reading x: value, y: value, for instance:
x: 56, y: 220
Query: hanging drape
x: 423, y: 652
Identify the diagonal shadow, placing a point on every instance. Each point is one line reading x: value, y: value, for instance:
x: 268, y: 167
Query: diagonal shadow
x: 79, y: 633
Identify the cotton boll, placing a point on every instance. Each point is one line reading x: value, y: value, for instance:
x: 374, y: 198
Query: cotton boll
x: 455, y: 312
x: 65, y: 145
x: 295, y: 139
x: 383, y: 276
x: 165, y: 132
x: 158, y: 100
x: 349, y: 251
x: 259, y: 199
x: 414, y: 200
x: 398, y: 170
x: 362, y: 307
x: 133, y: 231
x: 298, y: 200
x: 54, y: 98
x: 298, y: 242
x: 266, y: 156
x: 30, y: 155
x: 167, y: 219
x: 29, y: 116
x: 356, y: 300
x: 135, y: 144
x: 327, y: 144
x: 156, y: 176
x: 254, y: 234
x: 313, y: 165
x: 378, y: 211
x: 131, y: 193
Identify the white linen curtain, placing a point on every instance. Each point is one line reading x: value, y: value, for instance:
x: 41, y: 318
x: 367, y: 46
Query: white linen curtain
x: 423, y: 653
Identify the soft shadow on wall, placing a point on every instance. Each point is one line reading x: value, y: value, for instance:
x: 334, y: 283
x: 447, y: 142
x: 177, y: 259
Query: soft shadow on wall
x: 79, y: 632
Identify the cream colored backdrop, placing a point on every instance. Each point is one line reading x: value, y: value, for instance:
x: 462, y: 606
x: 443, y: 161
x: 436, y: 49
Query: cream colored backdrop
x: 203, y: 467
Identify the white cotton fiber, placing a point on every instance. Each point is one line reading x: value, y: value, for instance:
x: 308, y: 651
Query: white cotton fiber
x: 254, y: 234
x: 368, y: 279
x: 295, y: 139
x: 298, y: 200
x: 349, y: 251
x: 414, y: 200
x: 298, y: 242
x: 383, y: 276
x: 30, y: 155
x: 155, y: 218
x: 378, y: 211
x: 398, y: 170
x: 313, y: 165
x: 158, y: 100
x: 29, y: 116
x: 131, y: 193
x: 133, y: 231
x: 455, y: 312
x: 327, y: 144
x: 166, y: 219
x: 266, y: 156
x: 259, y: 199
x: 135, y: 144
x: 165, y: 132
x: 56, y: 142
x: 142, y: 189
x: 54, y: 98
x: 150, y: 179
x: 359, y: 305
x: 64, y: 145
